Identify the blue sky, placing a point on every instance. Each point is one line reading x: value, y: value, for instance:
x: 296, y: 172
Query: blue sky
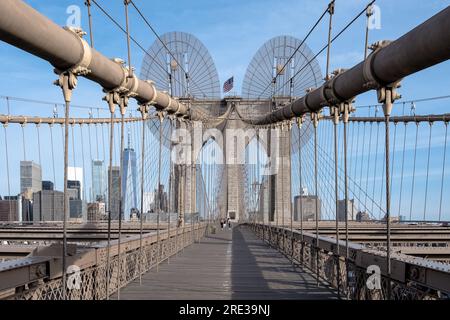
x: 232, y: 31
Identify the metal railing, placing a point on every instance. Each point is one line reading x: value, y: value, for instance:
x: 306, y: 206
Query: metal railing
x: 43, y: 280
x: 361, y: 276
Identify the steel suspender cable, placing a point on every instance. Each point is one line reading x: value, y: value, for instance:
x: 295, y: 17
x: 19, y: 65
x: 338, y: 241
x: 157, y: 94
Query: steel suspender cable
x: 121, y: 196
x: 368, y: 163
x: 335, y: 112
x: 282, y: 158
x: 141, y: 257
x: 127, y: 27
x: 276, y: 216
x: 125, y: 32
x: 316, y: 192
x: 428, y: 172
x: 23, y: 142
x: 351, y: 157
x: 443, y: 169
x: 177, y: 189
x: 110, y: 201
x: 62, y: 133
x: 325, y: 47
x: 73, y: 153
x: 369, y: 12
x: 290, y: 189
x: 389, y: 97
x: 295, y: 51
x: 352, y: 149
x: 331, y: 12
x: 165, y: 46
x: 132, y: 38
x: 66, y: 196
x: 299, y: 125
x: 260, y: 190
x: 169, y: 206
x: 159, y: 192
x: 83, y: 163
x: 103, y: 136
x: 191, y: 187
x: 382, y: 181
x: 92, y: 196
x: 184, y: 198
x: 39, y: 143
x: 356, y: 163
x: 393, y: 153
x: 362, y: 162
x: 5, y: 125
x: 414, y: 172
x: 97, y: 144
x: 345, y: 121
x: 376, y: 162
x: 403, y: 166
x: 91, y: 36
x: 53, y: 160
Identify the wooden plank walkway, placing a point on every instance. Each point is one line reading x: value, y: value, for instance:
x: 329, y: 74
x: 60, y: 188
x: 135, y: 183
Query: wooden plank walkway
x: 231, y: 264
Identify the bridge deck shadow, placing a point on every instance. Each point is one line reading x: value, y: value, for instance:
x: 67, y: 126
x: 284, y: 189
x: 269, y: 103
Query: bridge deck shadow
x: 231, y: 264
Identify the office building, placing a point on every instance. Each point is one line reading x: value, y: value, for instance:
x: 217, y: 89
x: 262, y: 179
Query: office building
x: 30, y: 177
x: 76, y: 174
x: 149, y: 202
x: 78, y: 210
x: 98, y: 181
x: 161, y: 199
x: 362, y: 216
x: 74, y: 189
x: 115, y: 195
x: 351, y: 210
x: 47, y: 185
x: 27, y: 208
x: 10, y: 209
x: 129, y: 181
x: 96, y: 211
x: 48, y: 205
x: 308, y: 206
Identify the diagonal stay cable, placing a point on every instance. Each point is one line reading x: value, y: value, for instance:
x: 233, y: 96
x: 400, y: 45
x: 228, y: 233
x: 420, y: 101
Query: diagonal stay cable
x: 131, y: 37
x: 326, y: 46
x: 163, y: 43
x: 295, y: 51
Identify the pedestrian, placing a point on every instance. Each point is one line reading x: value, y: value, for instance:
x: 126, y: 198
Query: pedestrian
x: 221, y: 223
x: 229, y: 223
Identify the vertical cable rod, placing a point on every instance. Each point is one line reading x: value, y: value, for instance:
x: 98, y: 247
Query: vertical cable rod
x: 443, y: 170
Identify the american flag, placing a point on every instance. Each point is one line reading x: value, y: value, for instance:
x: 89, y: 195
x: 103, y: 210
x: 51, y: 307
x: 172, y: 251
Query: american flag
x: 228, y: 85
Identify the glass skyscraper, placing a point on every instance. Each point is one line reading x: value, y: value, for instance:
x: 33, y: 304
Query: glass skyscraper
x: 98, y: 192
x: 129, y: 181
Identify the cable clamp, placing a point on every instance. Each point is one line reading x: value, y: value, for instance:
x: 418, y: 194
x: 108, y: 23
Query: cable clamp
x: 329, y: 93
x: 371, y: 80
x: 155, y: 93
x: 387, y: 95
x: 81, y: 68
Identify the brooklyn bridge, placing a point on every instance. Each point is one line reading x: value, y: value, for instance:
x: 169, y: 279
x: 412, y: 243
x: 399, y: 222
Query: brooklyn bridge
x: 176, y: 187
